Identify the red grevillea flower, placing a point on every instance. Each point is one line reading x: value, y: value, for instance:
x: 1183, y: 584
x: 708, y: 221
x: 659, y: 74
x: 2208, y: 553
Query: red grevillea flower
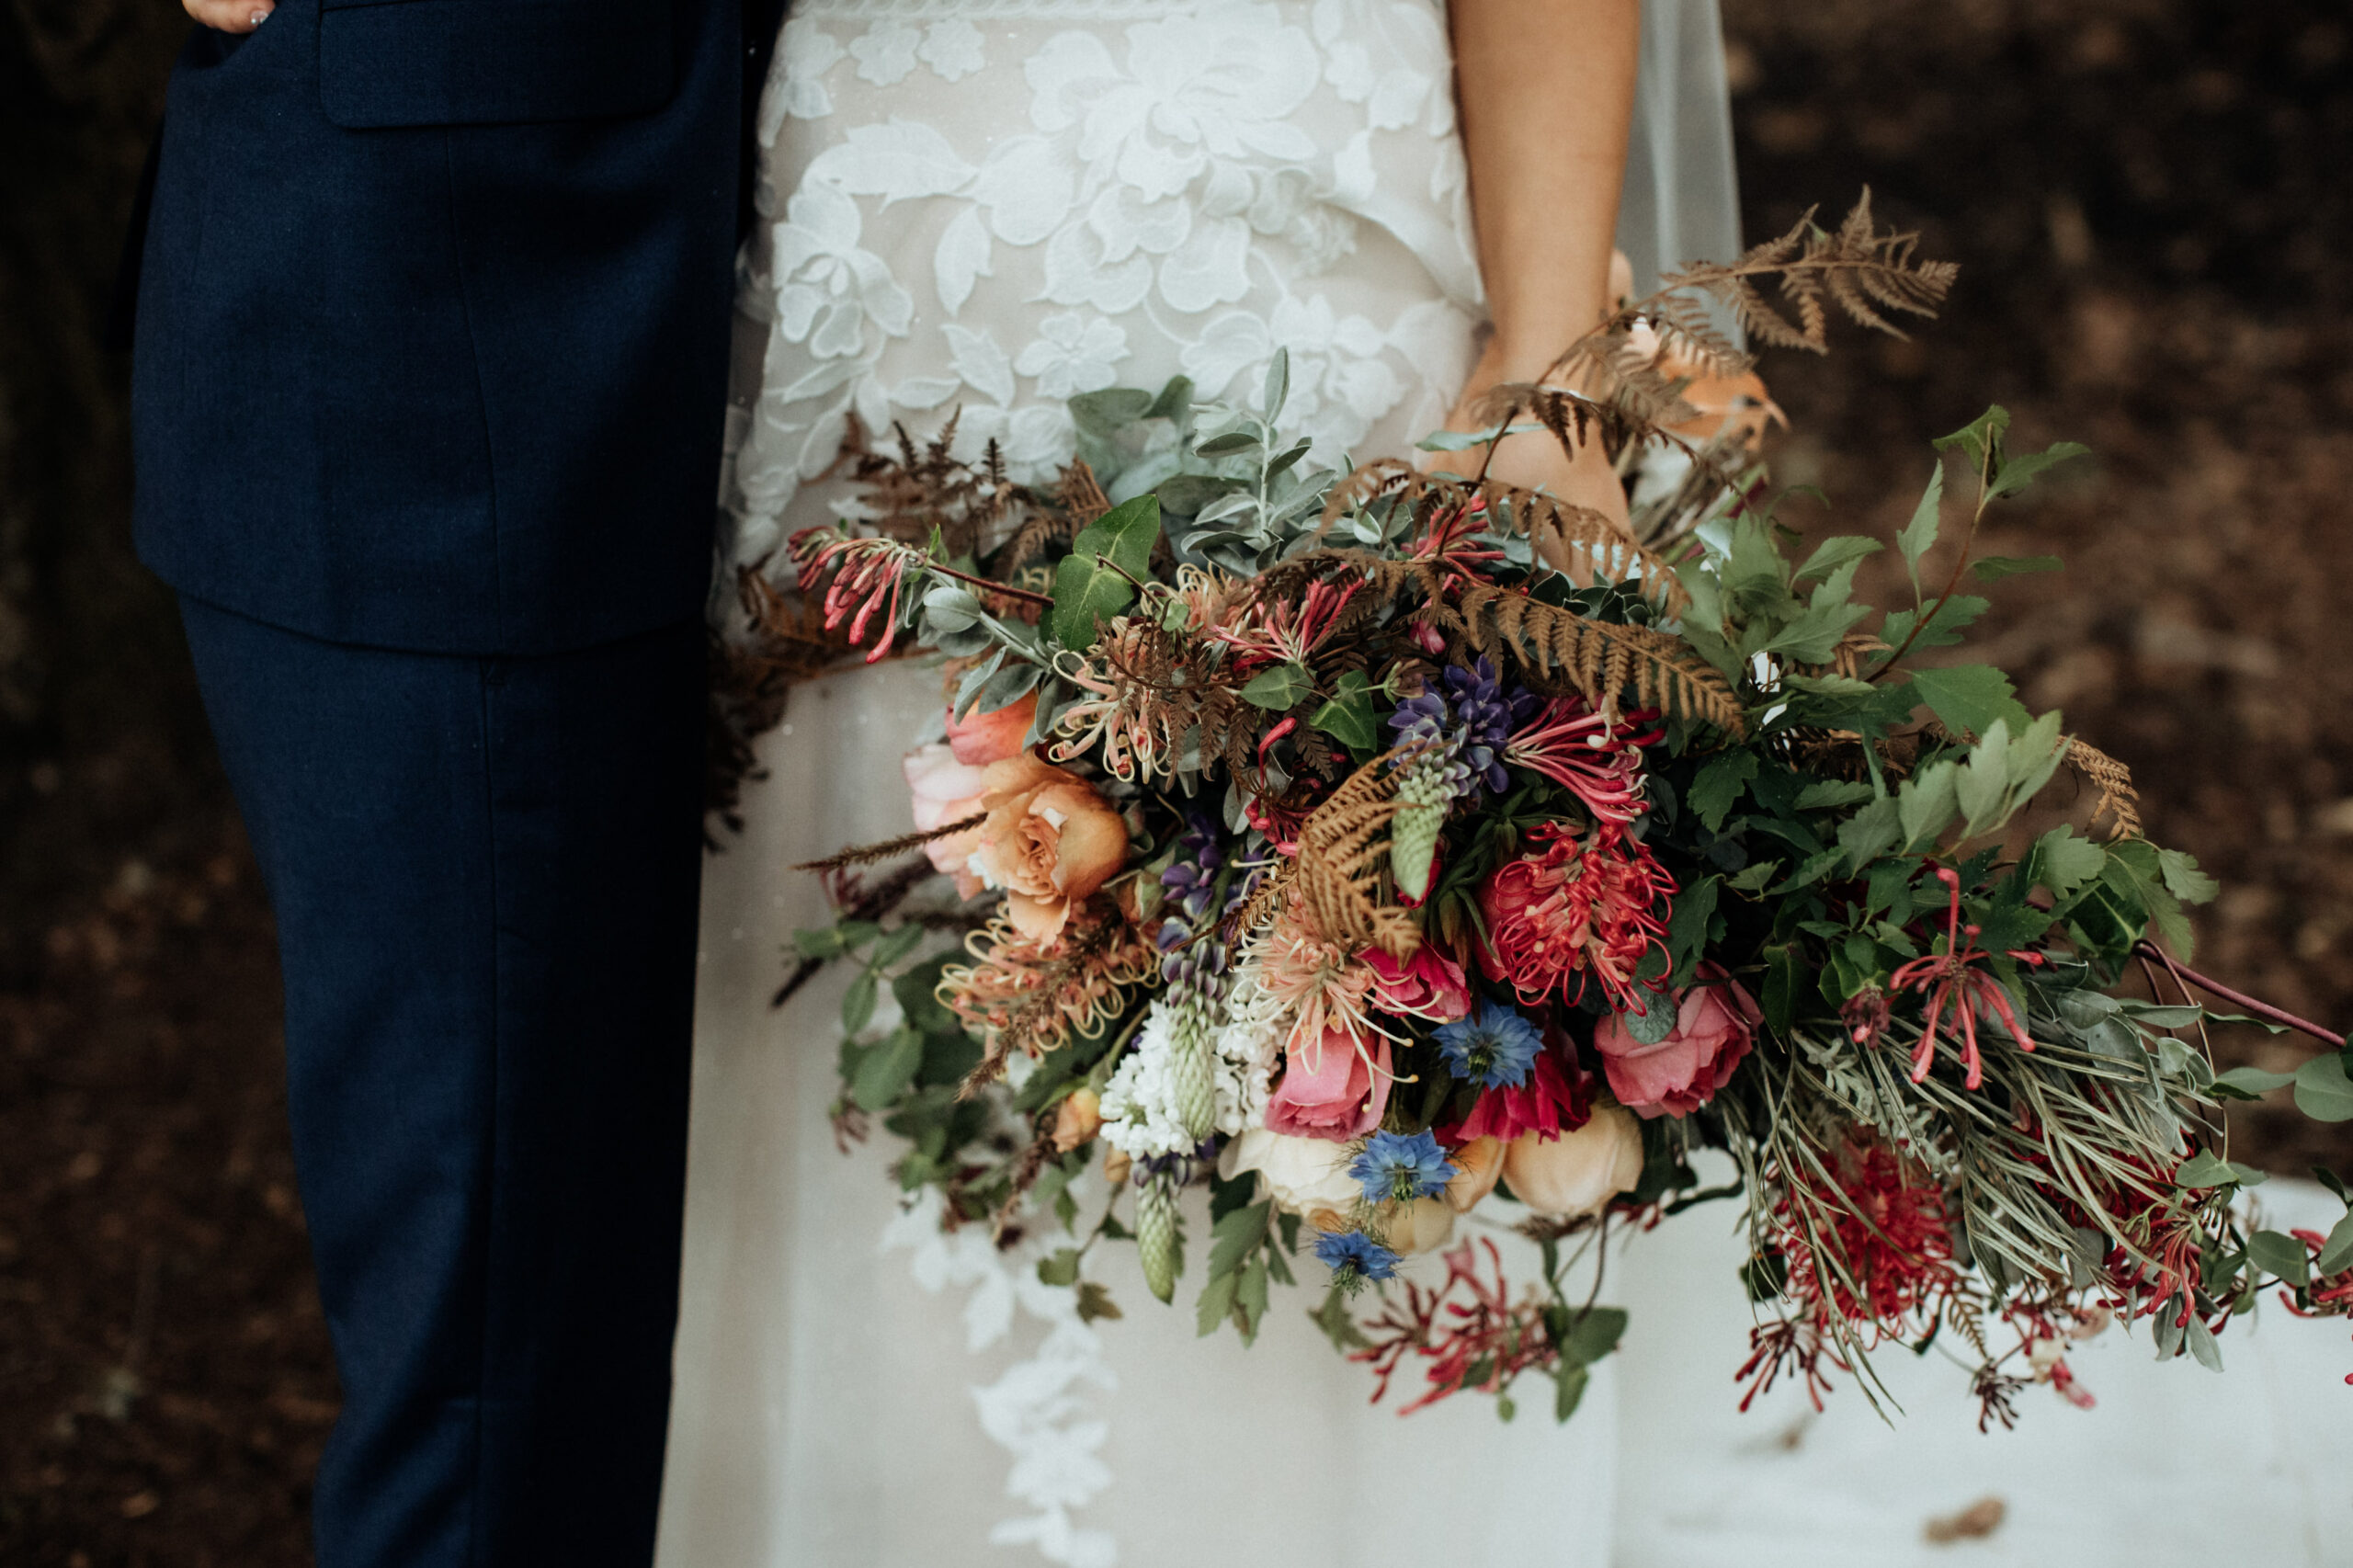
x: 1947, y: 981
x: 1573, y: 910
x: 1272, y: 632
x: 867, y: 573
x: 1887, y: 1224
x: 1599, y: 762
x: 1482, y: 1340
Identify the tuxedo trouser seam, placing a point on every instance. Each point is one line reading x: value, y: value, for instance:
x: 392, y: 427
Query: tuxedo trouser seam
x: 486, y: 690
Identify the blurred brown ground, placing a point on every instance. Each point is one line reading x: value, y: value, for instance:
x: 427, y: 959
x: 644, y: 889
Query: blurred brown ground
x: 2150, y: 201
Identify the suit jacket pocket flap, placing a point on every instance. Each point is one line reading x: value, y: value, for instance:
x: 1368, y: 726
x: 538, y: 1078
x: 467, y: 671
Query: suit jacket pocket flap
x: 491, y: 62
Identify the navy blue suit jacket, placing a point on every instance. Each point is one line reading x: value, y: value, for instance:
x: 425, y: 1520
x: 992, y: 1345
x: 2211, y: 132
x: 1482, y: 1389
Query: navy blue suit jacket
x: 432, y: 323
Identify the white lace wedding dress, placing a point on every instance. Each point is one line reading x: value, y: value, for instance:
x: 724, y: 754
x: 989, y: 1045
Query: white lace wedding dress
x: 988, y: 206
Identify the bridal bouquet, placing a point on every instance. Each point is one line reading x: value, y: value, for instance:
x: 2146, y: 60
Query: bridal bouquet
x: 1400, y: 854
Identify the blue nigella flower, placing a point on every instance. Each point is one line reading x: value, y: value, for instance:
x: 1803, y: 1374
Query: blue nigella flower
x: 1395, y: 1165
x: 1352, y: 1254
x: 1494, y: 1048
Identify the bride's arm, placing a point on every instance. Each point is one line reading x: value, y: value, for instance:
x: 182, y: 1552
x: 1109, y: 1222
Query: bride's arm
x: 1547, y: 91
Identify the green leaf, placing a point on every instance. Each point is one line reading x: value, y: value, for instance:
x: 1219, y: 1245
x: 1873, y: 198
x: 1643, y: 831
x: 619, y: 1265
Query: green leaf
x: 857, y: 1002
x: 1832, y: 792
x: 1061, y: 1268
x: 1278, y: 688
x: 2250, y: 1083
x: 2202, y: 1343
x: 1979, y: 439
x: 1718, y: 786
x: 1969, y: 698
x: 1338, y: 1326
x: 1250, y: 1297
x: 2336, y: 1253
x: 1230, y: 444
x: 1870, y: 832
x: 2183, y: 879
x: 1094, y: 1302
x: 1277, y: 388
x: 820, y: 942
x: 1919, y: 535
x: 2016, y: 473
x: 1944, y: 627
x: 887, y: 1070
x: 1216, y: 1303
x: 2322, y: 1091
x: 1236, y: 1236
x: 1347, y: 716
x: 1089, y: 587
x: 1926, y: 802
x: 1753, y: 878
x: 1594, y: 1335
x: 1993, y: 568
x: 1837, y: 550
x: 2283, y: 1258
x: 897, y: 944
x: 2205, y: 1169
x: 1781, y: 986
x: 1686, y: 926
x: 1570, y: 1380
x: 2063, y: 862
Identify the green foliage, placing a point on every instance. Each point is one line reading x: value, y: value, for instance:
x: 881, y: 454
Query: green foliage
x: 1097, y: 580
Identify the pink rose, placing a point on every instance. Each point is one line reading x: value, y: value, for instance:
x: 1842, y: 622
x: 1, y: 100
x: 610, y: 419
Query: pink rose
x: 1334, y: 1089
x: 1715, y: 1025
x: 947, y: 790
x: 1428, y: 985
x: 983, y: 738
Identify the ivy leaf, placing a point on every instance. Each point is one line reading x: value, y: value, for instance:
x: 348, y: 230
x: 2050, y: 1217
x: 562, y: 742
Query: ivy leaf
x: 1919, y: 535
x: 1993, y: 568
x: 1347, y: 716
x: 1718, y: 786
x: 1968, y: 698
x: 2322, y: 1091
x: 1088, y: 586
x: 1278, y: 688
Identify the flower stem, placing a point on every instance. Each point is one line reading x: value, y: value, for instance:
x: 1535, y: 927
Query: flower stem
x: 2281, y: 1016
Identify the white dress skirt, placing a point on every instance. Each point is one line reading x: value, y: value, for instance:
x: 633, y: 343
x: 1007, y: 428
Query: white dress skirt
x: 988, y: 206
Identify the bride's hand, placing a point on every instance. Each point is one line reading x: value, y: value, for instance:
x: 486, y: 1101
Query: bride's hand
x: 1533, y: 460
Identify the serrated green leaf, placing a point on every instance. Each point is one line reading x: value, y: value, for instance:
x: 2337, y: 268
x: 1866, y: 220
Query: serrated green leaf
x: 2016, y: 473
x: 2183, y: 879
x: 1216, y: 1303
x: 1978, y: 439
x: 1920, y: 536
x: 1825, y: 792
x: 1945, y: 623
x: 2063, y: 862
x: 1993, y: 568
x: 1094, y: 1302
x: 1839, y: 550
x: 1968, y: 698
x: 1718, y: 785
x: 1925, y: 802
x: 2322, y: 1091
x: 1278, y: 688
x: 1753, y: 878
x: 1236, y: 1235
x: 1687, y: 926
x: 1870, y: 833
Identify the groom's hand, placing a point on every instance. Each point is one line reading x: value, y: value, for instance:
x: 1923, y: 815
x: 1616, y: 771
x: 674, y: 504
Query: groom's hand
x: 230, y: 16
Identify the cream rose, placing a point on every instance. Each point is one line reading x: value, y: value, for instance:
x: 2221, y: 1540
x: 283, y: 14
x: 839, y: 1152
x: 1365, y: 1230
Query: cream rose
x: 1422, y: 1225
x: 1576, y: 1173
x: 1049, y: 842
x: 1477, y: 1163
x: 1302, y: 1175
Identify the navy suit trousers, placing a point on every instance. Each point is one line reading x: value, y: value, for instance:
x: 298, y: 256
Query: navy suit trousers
x: 484, y: 872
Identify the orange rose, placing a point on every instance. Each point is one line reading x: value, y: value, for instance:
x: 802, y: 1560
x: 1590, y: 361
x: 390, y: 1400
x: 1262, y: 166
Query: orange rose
x: 1049, y: 842
x: 984, y: 738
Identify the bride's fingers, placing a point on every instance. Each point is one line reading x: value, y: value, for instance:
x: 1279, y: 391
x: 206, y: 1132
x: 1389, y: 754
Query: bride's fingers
x: 230, y: 16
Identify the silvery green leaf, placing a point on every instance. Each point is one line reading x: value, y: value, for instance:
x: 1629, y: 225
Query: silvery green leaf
x: 2281, y: 1256
x: 1277, y: 388
x: 2202, y: 1343
x: 951, y: 608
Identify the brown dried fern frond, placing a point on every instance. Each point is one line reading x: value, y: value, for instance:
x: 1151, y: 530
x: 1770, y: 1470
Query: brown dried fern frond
x: 1077, y: 500
x: 1576, y: 540
x: 1155, y: 692
x: 1601, y: 659
x: 1864, y: 272
x: 1340, y: 873
x: 2118, y: 801
x: 783, y: 641
x: 867, y: 854
x: 911, y: 490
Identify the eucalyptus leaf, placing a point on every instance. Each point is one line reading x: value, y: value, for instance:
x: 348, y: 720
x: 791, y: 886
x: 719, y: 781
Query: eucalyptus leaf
x: 2283, y: 1258
x: 2322, y: 1091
